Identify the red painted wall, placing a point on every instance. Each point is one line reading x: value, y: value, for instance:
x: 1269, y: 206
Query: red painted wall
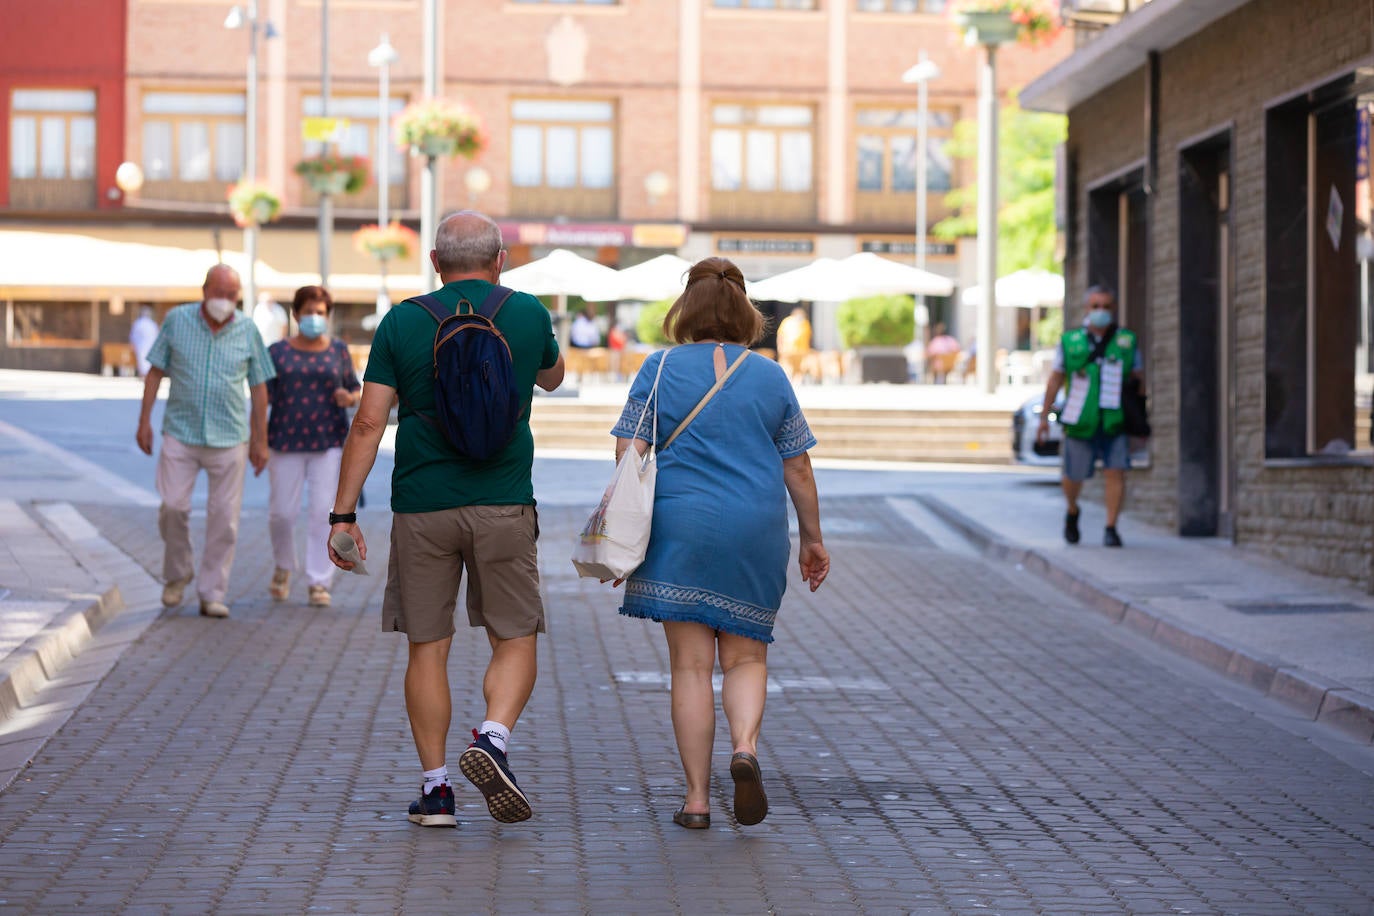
x: 67, y: 44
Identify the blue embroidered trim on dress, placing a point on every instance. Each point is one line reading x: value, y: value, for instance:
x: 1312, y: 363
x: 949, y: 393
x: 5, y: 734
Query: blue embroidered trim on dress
x: 665, y: 601
x: 795, y: 436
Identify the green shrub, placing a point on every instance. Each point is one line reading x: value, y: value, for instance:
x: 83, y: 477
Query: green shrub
x: 877, y: 321
x: 649, y: 327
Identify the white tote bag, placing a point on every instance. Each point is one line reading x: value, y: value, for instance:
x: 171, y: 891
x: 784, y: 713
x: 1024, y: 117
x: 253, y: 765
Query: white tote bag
x: 615, y: 538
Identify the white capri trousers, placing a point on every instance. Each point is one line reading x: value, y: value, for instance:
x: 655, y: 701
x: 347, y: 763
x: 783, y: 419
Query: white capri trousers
x: 178, y: 465
x: 317, y: 473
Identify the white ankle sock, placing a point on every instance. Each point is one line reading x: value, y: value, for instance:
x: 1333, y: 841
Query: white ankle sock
x: 498, y: 733
x: 434, y: 778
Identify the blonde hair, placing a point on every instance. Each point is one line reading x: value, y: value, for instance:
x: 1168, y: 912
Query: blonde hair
x: 714, y: 306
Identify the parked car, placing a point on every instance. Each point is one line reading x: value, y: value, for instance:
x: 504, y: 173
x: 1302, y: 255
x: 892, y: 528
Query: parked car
x: 1024, y: 423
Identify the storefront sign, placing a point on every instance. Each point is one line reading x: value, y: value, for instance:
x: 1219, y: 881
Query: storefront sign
x: 595, y: 235
x: 905, y: 248
x: 765, y: 244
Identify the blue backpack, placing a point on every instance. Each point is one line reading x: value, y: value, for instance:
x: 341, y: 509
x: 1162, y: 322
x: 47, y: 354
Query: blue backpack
x: 474, y: 376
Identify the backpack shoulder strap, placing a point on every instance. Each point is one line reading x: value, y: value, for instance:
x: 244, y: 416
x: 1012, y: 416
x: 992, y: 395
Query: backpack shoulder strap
x: 495, y: 299
x: 430, y: 303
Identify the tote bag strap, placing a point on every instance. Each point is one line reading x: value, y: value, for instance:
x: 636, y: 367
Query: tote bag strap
x: 653, y: 397
x: 710, y: 394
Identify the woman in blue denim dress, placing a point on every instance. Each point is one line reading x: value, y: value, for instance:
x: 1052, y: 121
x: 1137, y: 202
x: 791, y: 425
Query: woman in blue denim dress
x: 716, y: 566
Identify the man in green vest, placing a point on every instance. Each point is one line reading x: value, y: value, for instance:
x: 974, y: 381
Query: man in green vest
x: 1096, y: 360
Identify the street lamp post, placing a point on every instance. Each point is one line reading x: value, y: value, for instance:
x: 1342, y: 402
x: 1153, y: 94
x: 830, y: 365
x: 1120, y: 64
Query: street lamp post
x: 382, y: 57
x: 921, y: 74
x: 326, y: 217
x: 988, y: 30
x: 247, y: 17
x: 429, y: 179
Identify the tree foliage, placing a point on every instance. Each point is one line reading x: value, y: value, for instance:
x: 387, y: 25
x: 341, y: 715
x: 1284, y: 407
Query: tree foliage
x: 1025, y: 202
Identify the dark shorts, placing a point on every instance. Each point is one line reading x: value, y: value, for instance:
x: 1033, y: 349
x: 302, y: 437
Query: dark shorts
x: 1080, y: 455
x: 430, y: 550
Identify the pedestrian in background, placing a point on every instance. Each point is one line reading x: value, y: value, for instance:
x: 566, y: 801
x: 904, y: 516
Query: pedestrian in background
x: 942, y: 354
x: 585, y: 334
x: 208, y: 349
x: 1096, y: 359
x: 141, y: 336
x: 794, y: 342
x: 306, y: 427
x: 716, y: 566
x: 452, y: 514
x: 271, y: 319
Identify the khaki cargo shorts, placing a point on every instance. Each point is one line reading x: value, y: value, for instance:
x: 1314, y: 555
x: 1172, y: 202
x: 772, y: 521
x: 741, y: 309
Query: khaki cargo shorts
x: 430, y: 550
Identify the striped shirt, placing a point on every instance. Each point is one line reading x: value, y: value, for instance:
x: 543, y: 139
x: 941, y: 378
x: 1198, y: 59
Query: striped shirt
x: 207, y: 404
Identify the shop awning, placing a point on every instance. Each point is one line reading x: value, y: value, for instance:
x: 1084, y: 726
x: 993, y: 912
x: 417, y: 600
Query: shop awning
x: 1120, y: 50
x: 51, y: 266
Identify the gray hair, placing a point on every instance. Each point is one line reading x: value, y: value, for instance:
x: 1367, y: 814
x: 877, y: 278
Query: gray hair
x: 467, y: 241
x: 1098, y: 289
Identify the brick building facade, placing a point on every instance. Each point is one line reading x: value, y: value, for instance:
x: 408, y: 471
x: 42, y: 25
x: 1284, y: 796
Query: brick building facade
x: 1218, y: 178
x: 618, y: 129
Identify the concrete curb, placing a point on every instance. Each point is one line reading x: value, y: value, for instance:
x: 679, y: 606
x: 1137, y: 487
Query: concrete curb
x: 41, y: 657
x: 1311, y: 695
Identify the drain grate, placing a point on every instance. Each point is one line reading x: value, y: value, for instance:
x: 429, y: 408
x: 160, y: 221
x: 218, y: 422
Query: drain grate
x: 1266, y: 608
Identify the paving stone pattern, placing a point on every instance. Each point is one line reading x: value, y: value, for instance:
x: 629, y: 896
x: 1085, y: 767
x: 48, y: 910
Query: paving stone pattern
x: 937, y: 741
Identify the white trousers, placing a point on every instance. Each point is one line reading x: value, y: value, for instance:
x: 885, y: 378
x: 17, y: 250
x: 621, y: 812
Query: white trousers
x: 178, y: 465
x: 317, y: 473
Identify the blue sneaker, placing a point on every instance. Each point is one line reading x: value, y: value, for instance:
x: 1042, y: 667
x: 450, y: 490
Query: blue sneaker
x: 434, y: 808
x: 485, y: 767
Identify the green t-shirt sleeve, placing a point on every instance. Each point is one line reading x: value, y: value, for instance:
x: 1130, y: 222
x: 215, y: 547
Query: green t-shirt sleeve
x: 381, y: 365
x: 550, y: 358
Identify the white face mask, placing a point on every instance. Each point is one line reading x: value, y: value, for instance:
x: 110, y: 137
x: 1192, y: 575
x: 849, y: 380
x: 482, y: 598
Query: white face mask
x: 219, y: 309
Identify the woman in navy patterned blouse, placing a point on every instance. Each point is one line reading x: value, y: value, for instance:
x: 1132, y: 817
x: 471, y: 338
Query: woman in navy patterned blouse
x: 306, y: 428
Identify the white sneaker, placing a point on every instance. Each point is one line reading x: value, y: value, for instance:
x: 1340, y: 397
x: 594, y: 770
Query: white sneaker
x: 174, y: 591
x: 214, y: 609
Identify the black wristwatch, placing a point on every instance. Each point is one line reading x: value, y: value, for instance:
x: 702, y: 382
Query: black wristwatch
x: 343, y: 518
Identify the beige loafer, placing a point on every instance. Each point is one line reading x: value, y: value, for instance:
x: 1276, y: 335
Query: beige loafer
x: 173, y: 592
x: 214, y: 609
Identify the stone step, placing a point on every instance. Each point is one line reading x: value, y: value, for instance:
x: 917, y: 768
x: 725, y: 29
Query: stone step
x: 977, y: 437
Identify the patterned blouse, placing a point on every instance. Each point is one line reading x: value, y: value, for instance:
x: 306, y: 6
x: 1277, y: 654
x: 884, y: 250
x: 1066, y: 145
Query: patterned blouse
x: 304, y: 417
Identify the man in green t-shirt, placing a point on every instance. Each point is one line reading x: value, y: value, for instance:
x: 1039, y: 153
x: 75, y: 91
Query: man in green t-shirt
x: 451, y: 514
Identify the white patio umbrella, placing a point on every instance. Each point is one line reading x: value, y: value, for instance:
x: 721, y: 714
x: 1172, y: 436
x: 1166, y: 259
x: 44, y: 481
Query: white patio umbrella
x: 661, y: 277
x: 864, y: 274
x: 561, y: 273
x: 1031, y: 288
x: 896, y: 277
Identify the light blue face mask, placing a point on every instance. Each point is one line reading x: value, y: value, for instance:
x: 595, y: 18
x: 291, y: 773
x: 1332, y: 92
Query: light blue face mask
x: 1099, y: 319
x: 312, y: 326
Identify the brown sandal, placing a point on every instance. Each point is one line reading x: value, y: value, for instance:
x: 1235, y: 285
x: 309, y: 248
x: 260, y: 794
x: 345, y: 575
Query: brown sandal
x: 691, y: 821
x: 751, y: 804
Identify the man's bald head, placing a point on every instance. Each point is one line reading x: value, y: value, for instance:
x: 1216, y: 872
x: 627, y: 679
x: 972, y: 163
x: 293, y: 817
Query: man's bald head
x: 467, y: 242
x: 221, y: 282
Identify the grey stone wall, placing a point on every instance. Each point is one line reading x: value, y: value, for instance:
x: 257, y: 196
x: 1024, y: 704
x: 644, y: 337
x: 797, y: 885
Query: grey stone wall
x: 1318, y: 517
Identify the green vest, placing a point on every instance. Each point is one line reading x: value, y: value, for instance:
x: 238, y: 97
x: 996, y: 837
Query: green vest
x: 1078, y: 347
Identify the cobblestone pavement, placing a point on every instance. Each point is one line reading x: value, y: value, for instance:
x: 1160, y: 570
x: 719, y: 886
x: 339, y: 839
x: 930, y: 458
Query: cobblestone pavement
x: 943, y: 735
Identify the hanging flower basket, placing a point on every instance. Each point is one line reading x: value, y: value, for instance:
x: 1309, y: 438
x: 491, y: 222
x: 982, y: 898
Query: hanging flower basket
x: 386, y: 243
x: 253, y: 204
x: 1027, y: 22
x: 332, y: 174
x: 435, y: 127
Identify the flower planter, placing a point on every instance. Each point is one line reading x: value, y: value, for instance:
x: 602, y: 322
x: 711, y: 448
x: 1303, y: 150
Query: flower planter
x: 435, y: 147
x: 327, y: 182
x: 387, y: 252
x: 987, y: 28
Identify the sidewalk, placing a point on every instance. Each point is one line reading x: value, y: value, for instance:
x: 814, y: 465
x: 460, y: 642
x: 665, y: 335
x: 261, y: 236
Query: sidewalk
x: 942, y: 734
x: 1302, y: 639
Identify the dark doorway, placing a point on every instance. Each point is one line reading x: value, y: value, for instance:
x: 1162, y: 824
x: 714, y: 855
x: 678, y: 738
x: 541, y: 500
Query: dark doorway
x: 1205, y: 465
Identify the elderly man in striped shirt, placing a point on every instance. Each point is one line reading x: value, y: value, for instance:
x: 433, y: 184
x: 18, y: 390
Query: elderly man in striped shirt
x: 208, y: 349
